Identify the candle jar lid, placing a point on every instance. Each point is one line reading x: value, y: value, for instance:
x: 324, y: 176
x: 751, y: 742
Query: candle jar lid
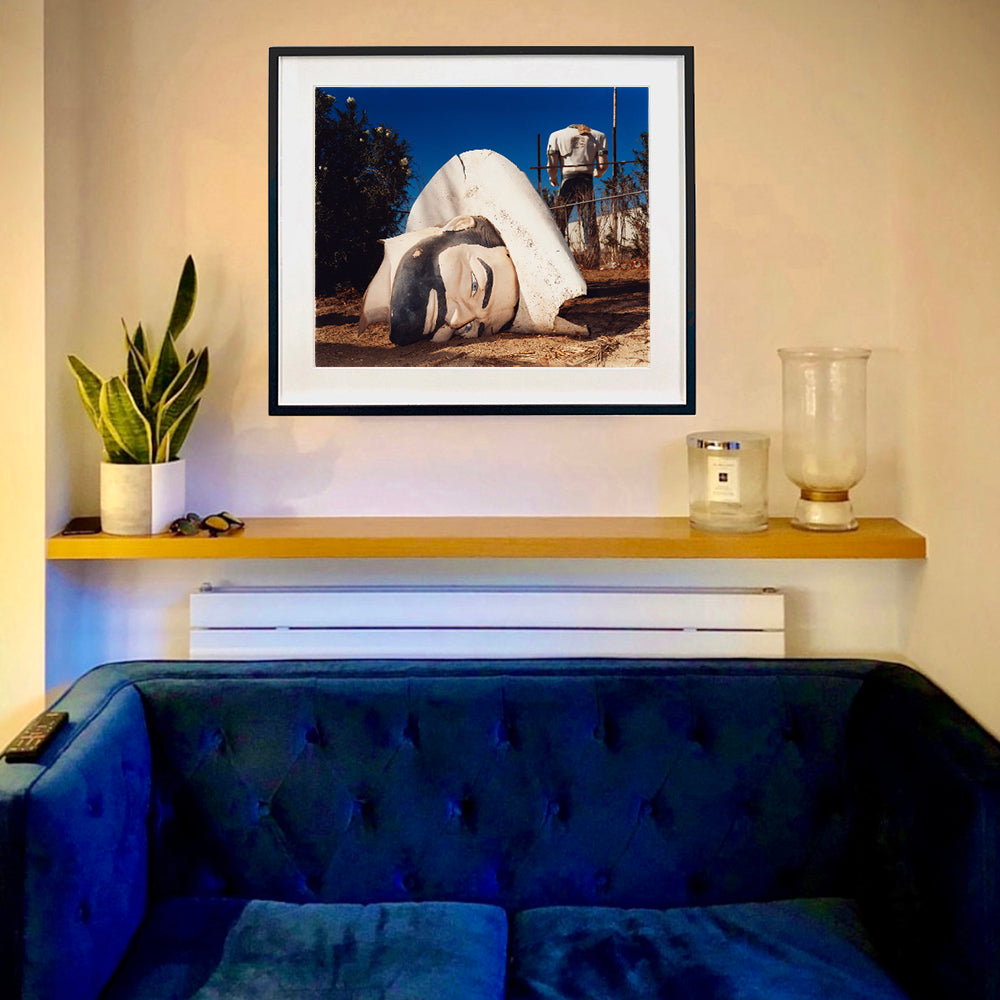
x: 726, y: 440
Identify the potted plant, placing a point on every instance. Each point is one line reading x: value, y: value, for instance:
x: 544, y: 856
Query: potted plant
x: 143, y: 417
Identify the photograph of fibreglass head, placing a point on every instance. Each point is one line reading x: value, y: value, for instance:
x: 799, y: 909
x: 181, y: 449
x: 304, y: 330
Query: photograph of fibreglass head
x: 482, y: 226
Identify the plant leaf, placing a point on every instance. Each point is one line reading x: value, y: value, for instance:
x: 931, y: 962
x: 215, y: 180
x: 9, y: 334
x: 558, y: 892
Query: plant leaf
x: 142, y: 362
x: 163, y: 450
x: 180, y: 431
x: 187, y: 293
x: 124, y: 422
x: 138, y: 343
x: 185, y: 389
x: 112, y: 451
x: 89, y: 385
x: 169, y: 446
x: 135, y: 379
x: 142, y: 344
x: 162, y: 372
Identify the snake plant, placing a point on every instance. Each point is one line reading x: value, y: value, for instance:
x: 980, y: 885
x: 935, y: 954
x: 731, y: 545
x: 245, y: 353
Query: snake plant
x: 144, y: 415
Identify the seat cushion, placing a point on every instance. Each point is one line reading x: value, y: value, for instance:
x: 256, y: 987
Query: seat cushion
x: 222, y: 949
x: 789, y: 950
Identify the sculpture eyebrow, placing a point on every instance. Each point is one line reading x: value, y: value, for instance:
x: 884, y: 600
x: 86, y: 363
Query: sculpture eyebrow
x: 489, y: 282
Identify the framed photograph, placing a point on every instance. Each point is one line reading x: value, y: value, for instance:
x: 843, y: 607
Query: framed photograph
x: 482, y: 231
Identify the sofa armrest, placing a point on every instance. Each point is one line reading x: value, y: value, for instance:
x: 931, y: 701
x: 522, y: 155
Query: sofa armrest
x: 927, y: 780
x: 74, y: 848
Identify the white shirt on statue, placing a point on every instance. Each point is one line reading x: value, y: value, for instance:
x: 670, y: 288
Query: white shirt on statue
x: 578, y: 149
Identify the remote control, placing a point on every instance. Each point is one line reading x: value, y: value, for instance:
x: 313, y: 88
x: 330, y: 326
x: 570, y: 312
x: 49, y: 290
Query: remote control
x: 30, y: 743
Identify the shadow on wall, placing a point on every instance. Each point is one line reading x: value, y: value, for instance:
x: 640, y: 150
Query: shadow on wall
x: 239, y: 458
x: 77, y: 623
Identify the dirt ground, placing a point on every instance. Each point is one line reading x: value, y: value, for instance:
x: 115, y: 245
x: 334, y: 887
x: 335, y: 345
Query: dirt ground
x: 615, y: 310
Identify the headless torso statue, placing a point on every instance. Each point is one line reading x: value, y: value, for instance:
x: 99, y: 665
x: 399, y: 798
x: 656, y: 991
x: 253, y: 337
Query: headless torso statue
x: 581, y: 153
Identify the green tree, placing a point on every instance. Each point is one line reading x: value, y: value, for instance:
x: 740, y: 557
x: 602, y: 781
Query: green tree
x: 627, y: 201
x: 640, y: 214
x: 642, y: 161
x: 362, y: 174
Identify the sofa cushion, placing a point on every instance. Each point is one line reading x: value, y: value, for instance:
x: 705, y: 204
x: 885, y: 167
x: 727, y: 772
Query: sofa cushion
x: 219, y: 949
x: 789, y: 950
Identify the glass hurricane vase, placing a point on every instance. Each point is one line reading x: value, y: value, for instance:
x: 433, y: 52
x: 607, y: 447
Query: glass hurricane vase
x: 823, y: 418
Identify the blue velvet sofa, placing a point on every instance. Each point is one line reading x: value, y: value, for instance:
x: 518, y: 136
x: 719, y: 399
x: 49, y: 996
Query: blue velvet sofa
x: 560, y: 830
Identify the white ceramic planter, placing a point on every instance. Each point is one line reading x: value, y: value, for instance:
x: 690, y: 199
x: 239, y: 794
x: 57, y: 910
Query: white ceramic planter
x: 141, y: 499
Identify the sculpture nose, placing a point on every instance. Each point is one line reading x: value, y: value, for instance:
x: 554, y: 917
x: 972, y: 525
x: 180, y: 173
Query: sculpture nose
x: 459, y: 315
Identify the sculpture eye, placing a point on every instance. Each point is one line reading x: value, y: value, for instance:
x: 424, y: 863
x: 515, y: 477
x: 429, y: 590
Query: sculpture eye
x: 475, y: 285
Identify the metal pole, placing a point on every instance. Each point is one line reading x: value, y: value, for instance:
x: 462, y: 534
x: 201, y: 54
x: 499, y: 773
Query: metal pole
x: 614, y: 133
x: 614, y: 169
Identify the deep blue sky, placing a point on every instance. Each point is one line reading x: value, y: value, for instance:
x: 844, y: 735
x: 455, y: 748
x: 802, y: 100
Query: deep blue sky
x: 439, y: 122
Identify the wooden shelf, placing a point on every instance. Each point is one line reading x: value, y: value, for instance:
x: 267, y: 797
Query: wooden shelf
x: 500, y: 538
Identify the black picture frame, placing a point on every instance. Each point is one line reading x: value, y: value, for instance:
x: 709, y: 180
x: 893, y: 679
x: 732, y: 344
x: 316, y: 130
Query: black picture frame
x: 298, y: 386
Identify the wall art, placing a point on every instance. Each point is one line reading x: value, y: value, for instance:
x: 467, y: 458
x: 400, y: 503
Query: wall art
x: 482, y: 231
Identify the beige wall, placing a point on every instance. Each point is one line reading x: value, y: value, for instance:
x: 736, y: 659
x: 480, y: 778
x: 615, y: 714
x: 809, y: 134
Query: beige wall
x: 22, y: 373
x: 846, y: 193
x: 946, y: 299
x: 158, y: 147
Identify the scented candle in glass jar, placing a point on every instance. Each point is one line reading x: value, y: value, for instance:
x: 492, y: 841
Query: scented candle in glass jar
x: 727, y: 480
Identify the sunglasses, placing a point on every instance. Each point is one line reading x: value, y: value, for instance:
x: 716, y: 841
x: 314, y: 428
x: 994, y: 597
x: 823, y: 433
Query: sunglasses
x: 214, y: 524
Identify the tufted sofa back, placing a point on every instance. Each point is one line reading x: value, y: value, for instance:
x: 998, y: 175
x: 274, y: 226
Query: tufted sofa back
x: 528, y: 783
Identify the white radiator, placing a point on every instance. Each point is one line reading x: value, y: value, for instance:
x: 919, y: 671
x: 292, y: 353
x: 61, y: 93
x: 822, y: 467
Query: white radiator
x: 473, y: 621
